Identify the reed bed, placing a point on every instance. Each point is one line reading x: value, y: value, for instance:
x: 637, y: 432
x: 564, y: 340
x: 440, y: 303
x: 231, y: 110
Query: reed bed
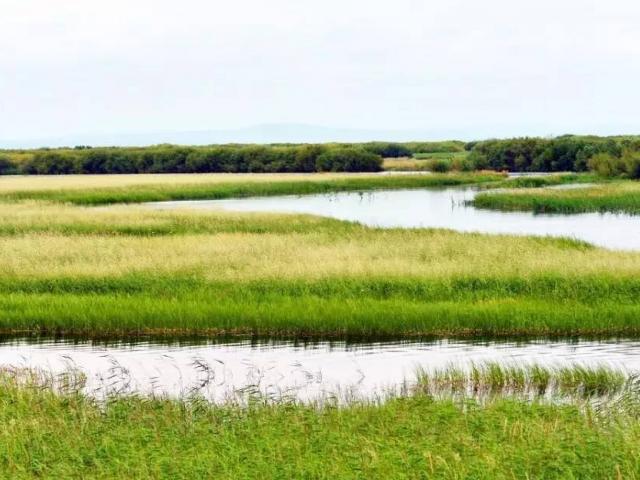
x: 129, y: 270
x: 55, y: 434
x: 22, y: 183
x: 529, y: 381
x: 616, y: 197
x: 96, y: 190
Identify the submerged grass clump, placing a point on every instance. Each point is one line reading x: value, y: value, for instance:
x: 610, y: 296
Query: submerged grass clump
x: 495, y: 379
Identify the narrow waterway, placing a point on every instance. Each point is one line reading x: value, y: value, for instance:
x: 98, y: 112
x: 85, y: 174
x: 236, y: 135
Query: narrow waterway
x: 221, y: 371
x: 437, y: 208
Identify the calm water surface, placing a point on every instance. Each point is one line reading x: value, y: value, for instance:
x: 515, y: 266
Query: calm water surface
x: 220, y: 371
x: 438, y: 208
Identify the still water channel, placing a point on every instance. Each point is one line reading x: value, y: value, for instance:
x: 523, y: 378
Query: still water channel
x: 221, y: 371
x: 437, y: 208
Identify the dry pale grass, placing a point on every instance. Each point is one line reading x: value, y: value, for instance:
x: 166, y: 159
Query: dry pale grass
x: 602, y: 190
x: 44, y: 217
x: 43, y: 214
x: 42, y: 239
x: 247, y: 256
x: 46, y: 239
x: 403, y: 164
x: 10, y: 184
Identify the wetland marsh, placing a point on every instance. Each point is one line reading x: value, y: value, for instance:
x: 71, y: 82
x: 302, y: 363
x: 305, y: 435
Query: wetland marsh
x: 371, y: 318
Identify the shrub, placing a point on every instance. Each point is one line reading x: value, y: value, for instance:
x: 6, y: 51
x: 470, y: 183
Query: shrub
x: 52, y: 163
x: 447, y: 146
x: 631, y: 162
x: 348, y: 159
x: 566, y: 153
x: 7, y: 167
x: 388, y: 150
x: 463, y: 164
x: 438, y: 165
x: 606, y: 165
x: 518, y: 154
x: 224, y: 158
x: 306, y: 156
x: 478, y: 160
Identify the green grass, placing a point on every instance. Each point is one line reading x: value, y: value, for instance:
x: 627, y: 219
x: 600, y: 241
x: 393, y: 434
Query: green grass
x: 356, y: 308
x: 535, y: 181
x: 127, y: 270
x: 45, y: 435
x: 162, y: 191
x: 440, y: 155
x: 616, y: 197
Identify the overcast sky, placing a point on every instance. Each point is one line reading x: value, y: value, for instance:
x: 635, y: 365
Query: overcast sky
x: 464, y: 68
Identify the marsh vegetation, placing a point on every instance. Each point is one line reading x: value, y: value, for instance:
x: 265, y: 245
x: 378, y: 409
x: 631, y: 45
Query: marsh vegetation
x: 127, y: 270
x: 66, y: 434
x: 109, y: 189
x: 616, y: 197
x: 121, y: 270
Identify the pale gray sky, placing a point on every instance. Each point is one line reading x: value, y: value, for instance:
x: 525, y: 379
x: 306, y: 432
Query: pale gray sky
x: 462, y: 68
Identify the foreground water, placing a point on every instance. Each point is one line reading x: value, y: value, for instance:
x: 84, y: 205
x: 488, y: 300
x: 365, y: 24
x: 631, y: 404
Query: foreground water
x: 222, y: 371
x: 437, y: 208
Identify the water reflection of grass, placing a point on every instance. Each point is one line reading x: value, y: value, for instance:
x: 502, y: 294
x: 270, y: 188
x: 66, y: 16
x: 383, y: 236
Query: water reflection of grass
x: 67, y: 434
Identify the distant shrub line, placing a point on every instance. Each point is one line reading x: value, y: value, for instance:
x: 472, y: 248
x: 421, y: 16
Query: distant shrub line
x: 566, y: 153
x: 276, y: 158
x: 609, y: 156
x: 172, y: 159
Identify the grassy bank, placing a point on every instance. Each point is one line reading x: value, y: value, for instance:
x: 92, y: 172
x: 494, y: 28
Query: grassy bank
x: 68, y: 436
x: 617, y: 197
x: 127, y: 270
x: 108, y: 189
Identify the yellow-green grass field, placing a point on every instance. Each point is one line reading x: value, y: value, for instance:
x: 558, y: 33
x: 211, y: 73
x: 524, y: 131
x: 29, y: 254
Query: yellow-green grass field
x: 437, y: 161
x: 404, y: 164
x: 108, y: 189
x: 130, y: 270
x: 79, y: 256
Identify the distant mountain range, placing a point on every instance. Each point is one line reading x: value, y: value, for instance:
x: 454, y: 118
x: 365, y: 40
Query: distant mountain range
x: 270, y: 133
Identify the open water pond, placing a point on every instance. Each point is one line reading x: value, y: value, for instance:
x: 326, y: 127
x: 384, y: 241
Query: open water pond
x: 221, y: 371
x: 437, y: 208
